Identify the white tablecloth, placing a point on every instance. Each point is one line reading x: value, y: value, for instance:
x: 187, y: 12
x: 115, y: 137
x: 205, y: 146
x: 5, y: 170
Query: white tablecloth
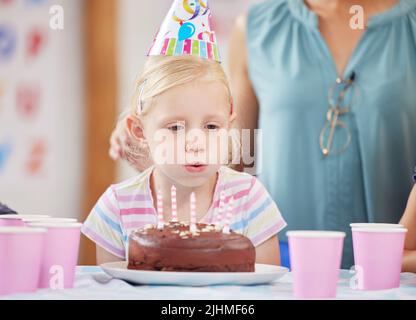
x: 93, y: 283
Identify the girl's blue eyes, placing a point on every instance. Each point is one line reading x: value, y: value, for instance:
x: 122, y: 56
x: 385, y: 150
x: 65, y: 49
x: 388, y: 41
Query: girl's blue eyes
x: 212, y: 127
x: 176, y: 128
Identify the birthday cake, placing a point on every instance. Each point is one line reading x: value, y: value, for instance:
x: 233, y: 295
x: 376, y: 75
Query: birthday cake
x: 177, y: 247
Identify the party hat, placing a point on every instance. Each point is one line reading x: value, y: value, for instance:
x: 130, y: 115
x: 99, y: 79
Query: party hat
x: 187, y: 30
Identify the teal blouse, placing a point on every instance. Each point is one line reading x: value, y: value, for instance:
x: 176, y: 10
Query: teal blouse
x: 291, y: 70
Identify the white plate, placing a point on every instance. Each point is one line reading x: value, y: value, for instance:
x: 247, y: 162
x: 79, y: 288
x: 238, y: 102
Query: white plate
x: 264, y: 273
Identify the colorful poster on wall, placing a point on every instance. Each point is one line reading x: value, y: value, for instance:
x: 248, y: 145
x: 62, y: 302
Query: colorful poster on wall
x: 40, y: 108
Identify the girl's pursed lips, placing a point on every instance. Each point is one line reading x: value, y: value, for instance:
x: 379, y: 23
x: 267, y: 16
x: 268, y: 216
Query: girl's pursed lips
x: 195, y: 167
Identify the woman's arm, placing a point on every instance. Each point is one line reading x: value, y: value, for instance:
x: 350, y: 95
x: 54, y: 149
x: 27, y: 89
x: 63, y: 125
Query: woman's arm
x: 409, y: 221
x: 269, y: 252
x: 103, y: 256
x: 245, y: 101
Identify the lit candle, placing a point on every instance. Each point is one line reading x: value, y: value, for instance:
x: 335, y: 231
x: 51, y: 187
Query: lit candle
x: 174, y: 206
x: 160, y: 220
x: 228, y: 216
x: 192, y: 227
x: 218, y: 222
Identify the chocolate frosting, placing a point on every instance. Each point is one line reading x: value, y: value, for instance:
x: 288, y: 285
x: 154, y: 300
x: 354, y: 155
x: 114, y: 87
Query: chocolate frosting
x: 175, y: 248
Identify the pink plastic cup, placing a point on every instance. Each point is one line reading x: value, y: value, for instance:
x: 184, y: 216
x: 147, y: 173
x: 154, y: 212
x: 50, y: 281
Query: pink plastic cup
x: 29, y: 216
x: 61, y: 254
x: 21, y: 251
x: 20, y: 220
x: 33, y: 217
x: 11, y: 220
x: 376, y: 225
x: 378, y: 254
x: 315, y: 259
x: 50, y: 220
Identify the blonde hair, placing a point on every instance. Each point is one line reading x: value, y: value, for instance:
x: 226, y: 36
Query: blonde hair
x: 163, y: 73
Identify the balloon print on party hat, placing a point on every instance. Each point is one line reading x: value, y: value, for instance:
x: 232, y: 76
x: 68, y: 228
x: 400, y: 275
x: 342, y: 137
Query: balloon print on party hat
x: 187, y: 30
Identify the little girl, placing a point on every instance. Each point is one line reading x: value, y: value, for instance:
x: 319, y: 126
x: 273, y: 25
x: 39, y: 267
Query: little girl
x: 409, y: 221
x: 176, y: 95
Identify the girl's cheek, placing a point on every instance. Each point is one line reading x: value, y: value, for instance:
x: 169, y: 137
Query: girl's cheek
x: 159, y: 142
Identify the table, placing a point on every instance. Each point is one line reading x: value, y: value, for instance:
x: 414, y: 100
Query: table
x: 92, y: 283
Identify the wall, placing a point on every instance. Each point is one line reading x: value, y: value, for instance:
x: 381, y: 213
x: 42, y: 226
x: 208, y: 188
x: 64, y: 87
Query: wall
x: 41, y: 108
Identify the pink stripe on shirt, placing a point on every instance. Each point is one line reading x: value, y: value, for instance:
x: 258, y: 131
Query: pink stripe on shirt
x: 236, y: 196
x: 133, y: 197
x: 234, y: 183
x: 246, y: 206
x: 137, y: 211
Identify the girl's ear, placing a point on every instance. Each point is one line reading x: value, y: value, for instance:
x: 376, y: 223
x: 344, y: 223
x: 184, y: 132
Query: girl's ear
x: 135, y: 127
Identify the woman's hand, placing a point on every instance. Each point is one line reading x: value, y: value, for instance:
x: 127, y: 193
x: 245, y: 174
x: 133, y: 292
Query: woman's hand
x: 118, y: 141
x: 123, y: 146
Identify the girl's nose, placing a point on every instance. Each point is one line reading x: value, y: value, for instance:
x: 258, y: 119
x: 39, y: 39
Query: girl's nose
x: 194, y: 144
x: 194, y: 147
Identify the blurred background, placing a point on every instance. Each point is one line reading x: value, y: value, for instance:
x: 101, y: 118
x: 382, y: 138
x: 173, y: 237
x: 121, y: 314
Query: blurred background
x: 67, y: 70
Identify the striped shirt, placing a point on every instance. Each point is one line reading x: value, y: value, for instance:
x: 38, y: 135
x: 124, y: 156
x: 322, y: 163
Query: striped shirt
x: 128, y: 205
